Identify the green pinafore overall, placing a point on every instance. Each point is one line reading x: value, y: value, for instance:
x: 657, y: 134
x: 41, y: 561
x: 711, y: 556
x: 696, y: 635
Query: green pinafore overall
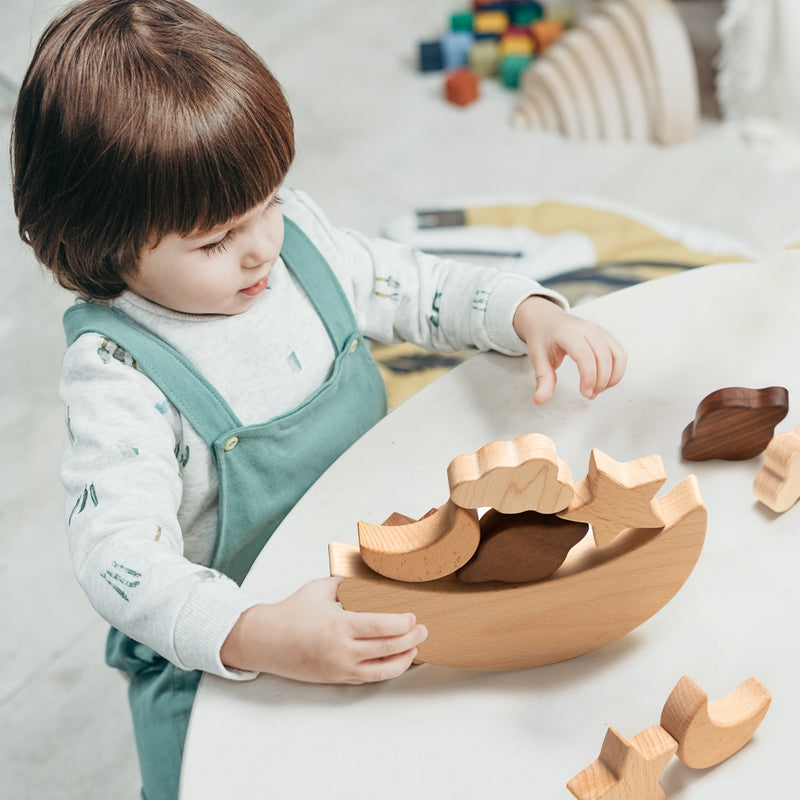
x: 263, y: 471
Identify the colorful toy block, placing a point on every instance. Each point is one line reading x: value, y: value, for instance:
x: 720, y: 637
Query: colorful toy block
x: 461, y: 21
x: 484, y: 57
x: 512, y: 67
x: 455, y: 48
x: 490, y: 23
x: 431, y: 57
x: 462, y: 86
x: 546, y: 33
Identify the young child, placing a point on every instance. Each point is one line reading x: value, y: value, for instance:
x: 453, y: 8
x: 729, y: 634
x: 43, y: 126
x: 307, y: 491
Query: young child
x: 216, y: 361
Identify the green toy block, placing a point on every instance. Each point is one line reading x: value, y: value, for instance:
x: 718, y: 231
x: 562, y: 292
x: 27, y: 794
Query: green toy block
x: 511, y: 67
x: 461, y: 21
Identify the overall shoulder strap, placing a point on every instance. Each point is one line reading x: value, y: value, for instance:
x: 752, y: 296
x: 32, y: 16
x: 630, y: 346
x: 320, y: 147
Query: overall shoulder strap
x: 186, y: 388
x: 316, y: 278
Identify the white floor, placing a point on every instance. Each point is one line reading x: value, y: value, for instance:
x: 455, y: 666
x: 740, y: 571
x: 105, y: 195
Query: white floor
x: 374, y: 140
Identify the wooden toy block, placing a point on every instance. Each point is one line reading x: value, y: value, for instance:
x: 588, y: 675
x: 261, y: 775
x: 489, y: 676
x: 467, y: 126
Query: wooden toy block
x: 595, y: 597
x: 634, y: 60
x: 627, y: 769
x: 455, y: 48
x: 461, y: 87
x: 524, y: 474
x: 525, y: 13
x: 734, y: 424
x: 777, y: 484
x: 708, y: 733
x: 484, y: 58
x: 511, y: 67
x: 521, y: 548
x: 546, y: 32
x: 423, y: 550
x: 514, y: 44
x: 489, y: 23
x: 615, y: 496
x: 461, y: 21
x: 431, y: 57
x: 562, y: 11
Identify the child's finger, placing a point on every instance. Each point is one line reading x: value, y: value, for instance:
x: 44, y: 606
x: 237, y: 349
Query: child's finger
x: 368, y: 625
x: 383, y: 669
x: 371, y: 649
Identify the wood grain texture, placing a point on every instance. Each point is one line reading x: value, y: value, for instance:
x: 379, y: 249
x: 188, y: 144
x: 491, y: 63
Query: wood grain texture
x: 734, y: 423
x: 595, y: 597
x: 627, y: 769
x: 524, y: 474
x: 777, y: 484
x: 521, y: 548
x: 614, y: 496
x: 422, y: 550
x: 708, y: 733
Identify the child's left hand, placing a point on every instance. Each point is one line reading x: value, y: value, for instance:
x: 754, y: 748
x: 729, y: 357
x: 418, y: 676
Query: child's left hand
x: 552, y: 333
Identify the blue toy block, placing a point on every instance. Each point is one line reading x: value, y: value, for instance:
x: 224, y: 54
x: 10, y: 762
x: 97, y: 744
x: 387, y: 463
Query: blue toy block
x: 455, y: 49
x: 431, y: 56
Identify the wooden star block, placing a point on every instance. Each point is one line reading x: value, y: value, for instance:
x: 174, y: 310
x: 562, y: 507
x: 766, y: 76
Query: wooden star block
x: 615, y: 496
x: 777, y: 484
x: 524, y: 474
x: 424, y: 550
x: 708, y: 733
x: 627, y: 769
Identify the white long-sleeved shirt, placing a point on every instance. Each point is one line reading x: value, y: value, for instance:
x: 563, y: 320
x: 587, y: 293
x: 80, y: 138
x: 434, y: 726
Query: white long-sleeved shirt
x: 141, y: 485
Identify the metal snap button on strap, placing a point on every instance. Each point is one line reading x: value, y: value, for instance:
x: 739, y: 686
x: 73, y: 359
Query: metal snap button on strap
x: 353, y: 346
x: 230, y: 444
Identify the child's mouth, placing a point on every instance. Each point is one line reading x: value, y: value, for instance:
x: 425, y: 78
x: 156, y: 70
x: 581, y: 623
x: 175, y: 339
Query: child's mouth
x: 256, y: 288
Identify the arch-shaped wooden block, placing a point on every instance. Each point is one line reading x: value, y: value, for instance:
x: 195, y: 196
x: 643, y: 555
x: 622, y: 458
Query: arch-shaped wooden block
x: 615, y: 496
x: 708, y: 733
x: 777, y: 484
x: 734, y: 423
x: 595, y: 597
x: 430, y: 548
x: 524, y: 474
x: 636, y: 67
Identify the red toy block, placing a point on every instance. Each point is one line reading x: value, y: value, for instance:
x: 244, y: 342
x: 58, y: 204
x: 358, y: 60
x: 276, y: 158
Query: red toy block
x: 461, y: 86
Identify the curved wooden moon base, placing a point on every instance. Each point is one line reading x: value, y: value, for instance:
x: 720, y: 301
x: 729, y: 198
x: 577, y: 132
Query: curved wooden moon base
x: 708, y: 733
x: 777, y: 484
x: 425, y: 550
x: 524, y: 474
x: 734, y: 424
x: 638, y: 76
x: 627, y: 769
x: 597, y: 596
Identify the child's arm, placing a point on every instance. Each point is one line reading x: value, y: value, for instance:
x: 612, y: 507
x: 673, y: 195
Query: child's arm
x: 310, y: 637
x: 551, y: 333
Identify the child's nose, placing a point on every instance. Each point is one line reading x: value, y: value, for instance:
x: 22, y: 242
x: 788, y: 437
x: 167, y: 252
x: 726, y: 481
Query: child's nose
x: 260, y: 250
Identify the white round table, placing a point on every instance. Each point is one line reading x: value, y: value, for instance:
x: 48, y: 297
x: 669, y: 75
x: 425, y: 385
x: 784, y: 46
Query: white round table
x: 448, y: 733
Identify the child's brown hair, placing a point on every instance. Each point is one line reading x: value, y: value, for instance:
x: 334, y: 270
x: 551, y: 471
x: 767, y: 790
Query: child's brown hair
x: 137, y: 119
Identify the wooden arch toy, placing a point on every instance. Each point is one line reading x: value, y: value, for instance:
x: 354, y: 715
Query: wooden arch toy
x: 601, y: 591
x: 627, y: 71
x: 777, y: 484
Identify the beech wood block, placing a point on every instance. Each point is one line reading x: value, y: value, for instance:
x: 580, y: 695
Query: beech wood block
x: 615, y: 496
x: 430, y: 548
x: 521, y: 548
x: 708, y: 733
x: 595, y: 597
x: 524, y: 474
x: 777, y: 484
x: 734, y: 424
x: 627, y: 769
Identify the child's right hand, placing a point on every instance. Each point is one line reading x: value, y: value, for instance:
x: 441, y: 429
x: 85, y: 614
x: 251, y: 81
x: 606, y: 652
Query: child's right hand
x: 310, y: 637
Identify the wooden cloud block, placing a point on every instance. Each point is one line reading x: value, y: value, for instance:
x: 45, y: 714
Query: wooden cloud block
x: 435, y: 546
x: 734, y: 424
x: 627, y: 769
x: 708, y: 733
x: 521, y: 548
x: 595, y: 597
x: 777, y: 484
x: 615, y: 496
x: 524, y: 474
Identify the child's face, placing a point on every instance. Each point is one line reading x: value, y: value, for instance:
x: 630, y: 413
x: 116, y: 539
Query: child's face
x: 221, y: 271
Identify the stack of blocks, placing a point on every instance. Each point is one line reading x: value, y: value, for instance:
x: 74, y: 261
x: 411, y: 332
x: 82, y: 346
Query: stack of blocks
x: 493, y: 38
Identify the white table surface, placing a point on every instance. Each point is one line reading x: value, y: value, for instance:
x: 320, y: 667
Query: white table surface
x: 446, y: 733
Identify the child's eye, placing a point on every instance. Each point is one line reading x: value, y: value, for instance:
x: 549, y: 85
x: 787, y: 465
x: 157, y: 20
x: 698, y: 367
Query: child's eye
x: 220, y: 246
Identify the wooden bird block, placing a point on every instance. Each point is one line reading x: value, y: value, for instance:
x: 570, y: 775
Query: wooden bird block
x: 523, y: 474
x: 595, y: 597
x: 627, y: 769
x: 430, y: 548
x: 708, y: 733
x: 521, y: 548
x: 734, y: 424
x: 615, y: 496
x: 777, y: 484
